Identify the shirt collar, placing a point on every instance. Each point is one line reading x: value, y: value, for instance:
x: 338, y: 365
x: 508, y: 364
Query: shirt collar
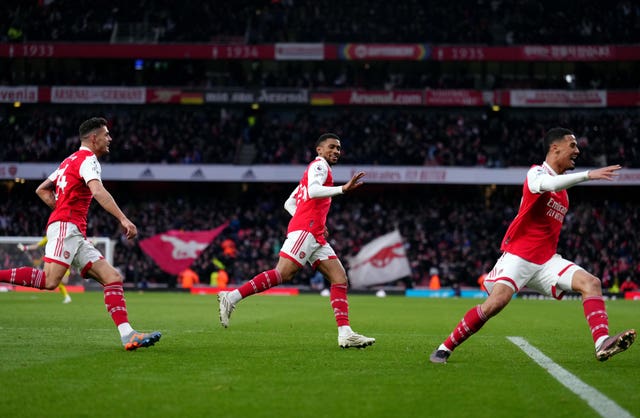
x: 549, y: 169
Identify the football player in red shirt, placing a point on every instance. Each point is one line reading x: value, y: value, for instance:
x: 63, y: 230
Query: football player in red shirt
x: 529, y: 252
x: 306, y: 242
x: 68, y: 192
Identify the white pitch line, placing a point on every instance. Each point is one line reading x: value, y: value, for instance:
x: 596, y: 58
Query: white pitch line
x: 596, y: 400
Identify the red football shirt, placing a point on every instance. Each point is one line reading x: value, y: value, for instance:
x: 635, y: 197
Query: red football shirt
x: 535, y: 231
x: 311, y: 214
x: 73, y: 196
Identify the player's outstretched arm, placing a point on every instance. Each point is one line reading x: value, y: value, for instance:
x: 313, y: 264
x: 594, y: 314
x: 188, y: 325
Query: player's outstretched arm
x: 354, y: 183
x: 604, y: 173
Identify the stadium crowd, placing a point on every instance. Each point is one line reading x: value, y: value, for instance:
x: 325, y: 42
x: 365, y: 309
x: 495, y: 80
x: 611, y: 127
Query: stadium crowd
x: 455, y: 229
x: 493, y: 22
x: 318, y: 75
x: 468, y: 22
x: 214, y: 135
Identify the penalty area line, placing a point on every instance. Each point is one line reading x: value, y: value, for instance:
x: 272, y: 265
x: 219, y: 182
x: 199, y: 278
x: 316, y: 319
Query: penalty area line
x: 604, y: 406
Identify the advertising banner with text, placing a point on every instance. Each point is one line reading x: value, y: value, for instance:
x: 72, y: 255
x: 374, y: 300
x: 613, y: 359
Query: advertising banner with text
x: 345, y: 97
x: 122, y: 95
x: 268, y: 96
x: 321, y: 51
x: 558, y: 98
x: 384, y: 52
x: 23, y: 94
x: 369, y: 98
x: 291, y: 173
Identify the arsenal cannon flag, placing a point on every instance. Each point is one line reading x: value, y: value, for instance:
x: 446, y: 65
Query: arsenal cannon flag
x: 382, y: 260
x: 176, y: 250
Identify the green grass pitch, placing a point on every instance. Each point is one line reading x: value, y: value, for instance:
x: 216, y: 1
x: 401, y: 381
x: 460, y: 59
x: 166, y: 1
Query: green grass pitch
x: 280, y: 358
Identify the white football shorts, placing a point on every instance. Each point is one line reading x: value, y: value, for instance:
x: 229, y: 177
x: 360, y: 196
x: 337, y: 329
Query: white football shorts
x: 552, y: 278
x: 301, y: 247
x: 68, y: 247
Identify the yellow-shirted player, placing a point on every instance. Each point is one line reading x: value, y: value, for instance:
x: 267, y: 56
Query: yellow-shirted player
x: 37, y: 262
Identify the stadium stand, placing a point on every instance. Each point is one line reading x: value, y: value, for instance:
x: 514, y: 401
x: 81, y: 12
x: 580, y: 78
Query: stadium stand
x: 454, y: 228
x: 259, y: 21
x: 457, y: 229
x: 459, y: 137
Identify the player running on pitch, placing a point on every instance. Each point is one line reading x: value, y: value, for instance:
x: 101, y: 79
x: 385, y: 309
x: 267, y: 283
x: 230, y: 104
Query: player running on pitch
x: 68, y: 191
x: 529, y: 252
x: 306, y: 242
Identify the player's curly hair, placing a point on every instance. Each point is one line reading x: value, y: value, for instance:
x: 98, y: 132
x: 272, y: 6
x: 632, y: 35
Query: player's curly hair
x: 91, y: 125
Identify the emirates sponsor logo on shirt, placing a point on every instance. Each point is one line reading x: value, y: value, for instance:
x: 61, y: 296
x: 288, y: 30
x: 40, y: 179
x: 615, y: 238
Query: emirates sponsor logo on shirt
x: 556, y: 210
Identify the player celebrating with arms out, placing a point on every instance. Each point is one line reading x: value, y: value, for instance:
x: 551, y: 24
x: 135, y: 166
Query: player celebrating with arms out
x: 529, y: 252
x: 306, y: 242
x: 68, y: 191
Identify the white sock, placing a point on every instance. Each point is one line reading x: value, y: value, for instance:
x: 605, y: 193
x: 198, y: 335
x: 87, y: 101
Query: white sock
x: 443, y: 347
x: 234, y: 296
x: 125, y: 329
x: 344, y: 330
x: 600, y: 341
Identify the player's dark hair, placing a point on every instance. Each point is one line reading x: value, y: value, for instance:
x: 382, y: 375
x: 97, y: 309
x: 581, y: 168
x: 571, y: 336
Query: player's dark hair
x: 90, y: 125
x: 554, y: 135
x: 326, y: 136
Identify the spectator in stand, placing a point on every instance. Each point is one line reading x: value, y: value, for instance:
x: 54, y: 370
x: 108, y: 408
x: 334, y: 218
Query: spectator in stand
x: 229, y: 249
x: 463, y: 138
x: 628, y: 285
x: 463, y: 22
x: 434, y: 280
x: 188, y: 278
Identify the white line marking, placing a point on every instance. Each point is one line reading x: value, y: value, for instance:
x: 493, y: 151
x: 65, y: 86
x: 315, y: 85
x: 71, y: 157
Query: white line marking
x: 596, y: 400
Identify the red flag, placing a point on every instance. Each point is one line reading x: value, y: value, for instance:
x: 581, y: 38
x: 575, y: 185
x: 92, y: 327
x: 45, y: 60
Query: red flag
x: 176, y: 250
